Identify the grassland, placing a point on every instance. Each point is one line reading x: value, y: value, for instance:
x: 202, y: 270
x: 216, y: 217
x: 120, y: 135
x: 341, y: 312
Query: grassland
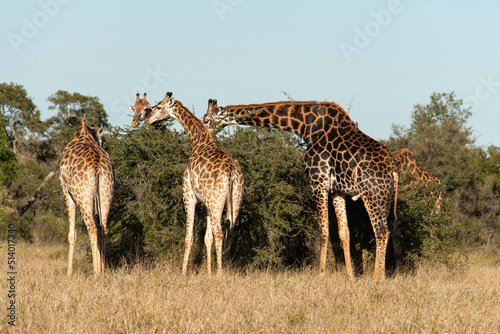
x: 157, y: 299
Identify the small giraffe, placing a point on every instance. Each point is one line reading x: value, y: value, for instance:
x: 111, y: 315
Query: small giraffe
x: 407, y: 163
x: 87, y: 180
x: 140, y: 109
x: 340, y: 159
x: 211, y: 176
x: 411, y: 172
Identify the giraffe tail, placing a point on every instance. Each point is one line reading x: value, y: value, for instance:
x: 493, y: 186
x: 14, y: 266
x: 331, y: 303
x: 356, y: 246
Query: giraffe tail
x: 228, y: 239
x: 396, y: 192
x: 396, y: 240
x: 97, y: 203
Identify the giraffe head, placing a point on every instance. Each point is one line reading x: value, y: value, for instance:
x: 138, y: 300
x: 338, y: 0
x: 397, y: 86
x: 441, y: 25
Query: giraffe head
x: 209, y: 119
x: 99, y: 135
x: 216, y: 117
x: 141, y: 108
x: 161, y: 110
x: 85, y: 132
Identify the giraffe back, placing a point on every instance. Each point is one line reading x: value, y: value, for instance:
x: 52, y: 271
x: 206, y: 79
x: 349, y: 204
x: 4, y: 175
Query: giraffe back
x: 85, y: 163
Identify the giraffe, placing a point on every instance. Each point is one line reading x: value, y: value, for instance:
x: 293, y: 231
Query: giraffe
x: 211, y: 176
x: 412, y: 171
x: 339, y: 159
x: 87, y: 180
x: 140, y: 108
x: 407, y: 163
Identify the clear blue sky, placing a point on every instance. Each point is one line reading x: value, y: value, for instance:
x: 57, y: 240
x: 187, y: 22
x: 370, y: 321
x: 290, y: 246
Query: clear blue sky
x: 386, y: 56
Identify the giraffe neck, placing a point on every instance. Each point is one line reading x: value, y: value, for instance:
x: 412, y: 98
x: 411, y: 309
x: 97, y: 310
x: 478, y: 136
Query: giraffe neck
x: 407, y: 163
x: 196, y: 131
x: 300, y: 118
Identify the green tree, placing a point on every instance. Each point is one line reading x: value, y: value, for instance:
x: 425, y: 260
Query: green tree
x: 443, y: 142
x: 277, y: 225
x: 439, y: 135
x: 147, y: 215
x: 8, y: 172
x: 19, y: 113
x: 71, y: 109
x: 489, y: 165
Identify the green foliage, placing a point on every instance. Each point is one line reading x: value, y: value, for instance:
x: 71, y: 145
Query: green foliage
x: 18, y: 111
x: 276, y: 226
x: 6, y: 212
x: 8, y: 158
x: 442, y: 141
x: 71, y: 110
x: 423, y: 232
x: 147, y: 214
x: 489, y: 166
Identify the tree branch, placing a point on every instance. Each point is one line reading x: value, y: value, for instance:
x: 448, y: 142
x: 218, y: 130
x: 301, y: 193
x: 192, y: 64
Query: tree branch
x: 36, y: 196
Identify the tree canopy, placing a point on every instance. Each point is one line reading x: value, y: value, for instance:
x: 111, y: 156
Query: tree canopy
x: 19, y: 113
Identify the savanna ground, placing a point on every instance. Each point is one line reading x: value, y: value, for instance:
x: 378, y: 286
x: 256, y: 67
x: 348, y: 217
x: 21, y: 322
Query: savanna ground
x: 156, y: 298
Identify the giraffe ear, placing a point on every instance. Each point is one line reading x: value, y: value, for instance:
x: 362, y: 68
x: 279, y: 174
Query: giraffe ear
x: 170, y: 103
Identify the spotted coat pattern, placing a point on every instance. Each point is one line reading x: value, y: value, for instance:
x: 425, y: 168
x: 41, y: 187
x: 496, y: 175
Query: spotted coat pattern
x: 340, y: 159
x: 87, y: 180
x: 211, y: 176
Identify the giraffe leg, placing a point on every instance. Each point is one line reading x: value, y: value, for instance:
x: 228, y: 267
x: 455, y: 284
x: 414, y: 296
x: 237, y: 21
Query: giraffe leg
x: 71, y: 207
x: 341, y: 213
x: 208, y: 243
x: 219, y: 238
x: 321, y: 199
x: 382, y: 238
x: 378, y: 217
x: 190, y: 206
x: 93, y: 231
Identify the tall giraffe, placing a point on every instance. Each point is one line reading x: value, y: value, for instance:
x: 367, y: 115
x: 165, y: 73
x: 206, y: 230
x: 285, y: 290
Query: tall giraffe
x: 211, y: 176
x: 409, y: 167
x: 339, y: 159
x: 87, y: 180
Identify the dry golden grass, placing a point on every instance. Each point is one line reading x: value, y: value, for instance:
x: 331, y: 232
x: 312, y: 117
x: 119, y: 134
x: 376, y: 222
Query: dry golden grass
x: 136, y: 299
